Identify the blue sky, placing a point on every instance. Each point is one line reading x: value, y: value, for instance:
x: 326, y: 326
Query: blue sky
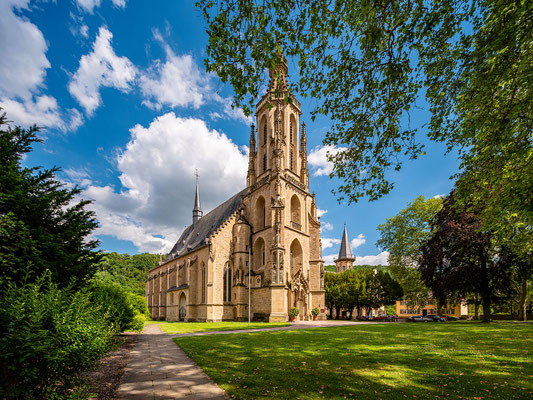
x: 129, y: 114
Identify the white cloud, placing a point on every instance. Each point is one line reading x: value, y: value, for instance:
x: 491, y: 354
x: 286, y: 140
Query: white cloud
x: 326, y: 226
x: 23, y: 62
x: 157, y: 175
x: 90, y: 5
x: 321, y: 212
x: 318, y: 159
x: 380, y: 259
x: 84, y: 31
x: 358, y: 241
x: 327, y: 242
x: 119, y: 3
x: 179, y: 82
x: 176, y: 82
x: 329, y: 259
x: 100, y: 68
x: 43, y: 111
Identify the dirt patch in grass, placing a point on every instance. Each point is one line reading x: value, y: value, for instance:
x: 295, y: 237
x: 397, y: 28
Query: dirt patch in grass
x: 102, y: 383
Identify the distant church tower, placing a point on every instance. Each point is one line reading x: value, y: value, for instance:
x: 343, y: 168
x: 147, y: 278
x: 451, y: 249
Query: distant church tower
x: 345, y: 259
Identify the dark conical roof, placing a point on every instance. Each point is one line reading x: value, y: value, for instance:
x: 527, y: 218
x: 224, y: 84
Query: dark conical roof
x: 345, y: 252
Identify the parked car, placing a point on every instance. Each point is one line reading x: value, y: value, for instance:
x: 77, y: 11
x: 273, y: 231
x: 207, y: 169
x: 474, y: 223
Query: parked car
x: 436, y: 318
x: 418, y: 318
x: 451, y: 318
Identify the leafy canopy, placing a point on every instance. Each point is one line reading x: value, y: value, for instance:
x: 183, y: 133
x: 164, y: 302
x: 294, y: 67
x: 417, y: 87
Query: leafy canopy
x: 42, y: 223
x: 369, y: 64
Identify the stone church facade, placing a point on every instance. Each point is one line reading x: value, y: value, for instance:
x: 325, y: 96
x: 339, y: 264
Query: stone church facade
x: 266, y: 237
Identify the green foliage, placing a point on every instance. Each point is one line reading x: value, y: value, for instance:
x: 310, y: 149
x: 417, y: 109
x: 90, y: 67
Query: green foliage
x: 41, y: 225
x: 47, y: 337
x: 361, y: 288
x: 315, y: 311
x: 368, y: 64
x: 128, y: 271
x: 125, y: 310
x: 294, y: 312
x: 330, y: 268
x: 403, y: 236
x: 138, y: 303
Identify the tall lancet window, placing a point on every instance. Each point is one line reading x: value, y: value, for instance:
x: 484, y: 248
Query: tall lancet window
x: 264, y: 162
x: 264, y: 135
x: 203, y: 283
x: 292, y: 160
x: 292, y: 133
x: 226, y: 295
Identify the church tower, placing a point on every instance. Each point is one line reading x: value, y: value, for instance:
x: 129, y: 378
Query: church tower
x: 283, y: 214
x: 345, y: 259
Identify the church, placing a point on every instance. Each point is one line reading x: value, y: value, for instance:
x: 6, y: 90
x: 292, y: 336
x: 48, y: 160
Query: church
x: 261, y: 248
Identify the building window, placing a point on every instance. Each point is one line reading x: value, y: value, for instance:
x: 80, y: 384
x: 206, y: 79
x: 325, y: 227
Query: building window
x: 264, y: 162
x: 203, y: 284
x: 292, y: 133
x: 292, y: 160
x: 264, y: 135
x: 226, y: 295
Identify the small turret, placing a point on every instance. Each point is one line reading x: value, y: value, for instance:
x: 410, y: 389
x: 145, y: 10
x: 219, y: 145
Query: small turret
x: 345, y: 259
x: 197, y: 212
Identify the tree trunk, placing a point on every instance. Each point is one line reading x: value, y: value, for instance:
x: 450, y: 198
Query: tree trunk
x: 351, y: 313
x: 476, y: 311
x: 485, y: 290
x: 522, y: 315
x: 486, y: 310
x: 338, y: 310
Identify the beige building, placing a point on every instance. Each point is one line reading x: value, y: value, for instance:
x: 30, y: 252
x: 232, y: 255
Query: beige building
x: 455, y: 310
x: 270, y: 228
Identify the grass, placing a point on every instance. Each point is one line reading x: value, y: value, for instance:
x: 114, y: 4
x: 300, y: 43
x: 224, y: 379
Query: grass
x: 192, y: 327
x: 379, y: 361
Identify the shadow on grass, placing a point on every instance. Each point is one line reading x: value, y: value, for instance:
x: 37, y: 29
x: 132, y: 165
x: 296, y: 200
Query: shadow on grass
x: 390, y: 361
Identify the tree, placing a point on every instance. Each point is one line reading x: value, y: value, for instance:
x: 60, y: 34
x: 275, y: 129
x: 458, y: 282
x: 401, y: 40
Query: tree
x: 458, y: 258
x: 128, y: 271
x: 368, y: 64
x: 403, y: 236
x: 333, y: 293
x: 42, y: 224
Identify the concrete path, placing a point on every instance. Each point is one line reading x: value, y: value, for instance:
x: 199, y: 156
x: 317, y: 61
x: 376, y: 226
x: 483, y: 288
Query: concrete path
x: 292, y: 326
x: 159, y: 369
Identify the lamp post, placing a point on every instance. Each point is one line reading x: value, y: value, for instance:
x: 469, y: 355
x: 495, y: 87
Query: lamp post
x: 249, y: 282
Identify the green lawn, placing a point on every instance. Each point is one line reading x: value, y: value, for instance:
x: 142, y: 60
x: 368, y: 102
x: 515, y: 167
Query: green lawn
x: 381, y: 361
x: 191, y: 327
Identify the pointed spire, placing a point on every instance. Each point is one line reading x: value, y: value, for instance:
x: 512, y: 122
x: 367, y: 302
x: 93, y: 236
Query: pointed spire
x: 345, y: 252
x: 197, y: 212
x: 278, y: 75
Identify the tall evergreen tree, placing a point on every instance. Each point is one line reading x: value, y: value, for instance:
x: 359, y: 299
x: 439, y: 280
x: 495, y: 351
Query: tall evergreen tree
x: 43, y: 225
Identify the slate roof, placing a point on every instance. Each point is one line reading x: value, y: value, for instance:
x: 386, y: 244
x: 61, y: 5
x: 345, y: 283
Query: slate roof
x: 345, y: 253
x: 196, y: 235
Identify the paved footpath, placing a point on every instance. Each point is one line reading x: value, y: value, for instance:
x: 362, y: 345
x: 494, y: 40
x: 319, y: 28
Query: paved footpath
x: 159, y: 369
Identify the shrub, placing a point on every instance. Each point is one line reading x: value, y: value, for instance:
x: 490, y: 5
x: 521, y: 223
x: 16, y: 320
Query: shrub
x: 138, y: 303
x: 293, y: 312
x: 114, y: 300
x: 47, y: 337
x: 315, y: 311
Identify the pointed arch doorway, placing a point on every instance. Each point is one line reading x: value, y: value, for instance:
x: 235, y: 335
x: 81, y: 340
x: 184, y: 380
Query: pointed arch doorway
x: 183, y: 307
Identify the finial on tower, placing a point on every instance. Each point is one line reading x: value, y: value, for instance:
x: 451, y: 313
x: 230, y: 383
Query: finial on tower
x: 197, y: 210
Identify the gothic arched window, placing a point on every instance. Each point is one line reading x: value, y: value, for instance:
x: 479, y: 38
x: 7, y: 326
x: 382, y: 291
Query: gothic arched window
x: 292, y: 133
x: 264, y: 162
x: 264, y: 135
x: 203, y: 283
x: 226, y: 295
